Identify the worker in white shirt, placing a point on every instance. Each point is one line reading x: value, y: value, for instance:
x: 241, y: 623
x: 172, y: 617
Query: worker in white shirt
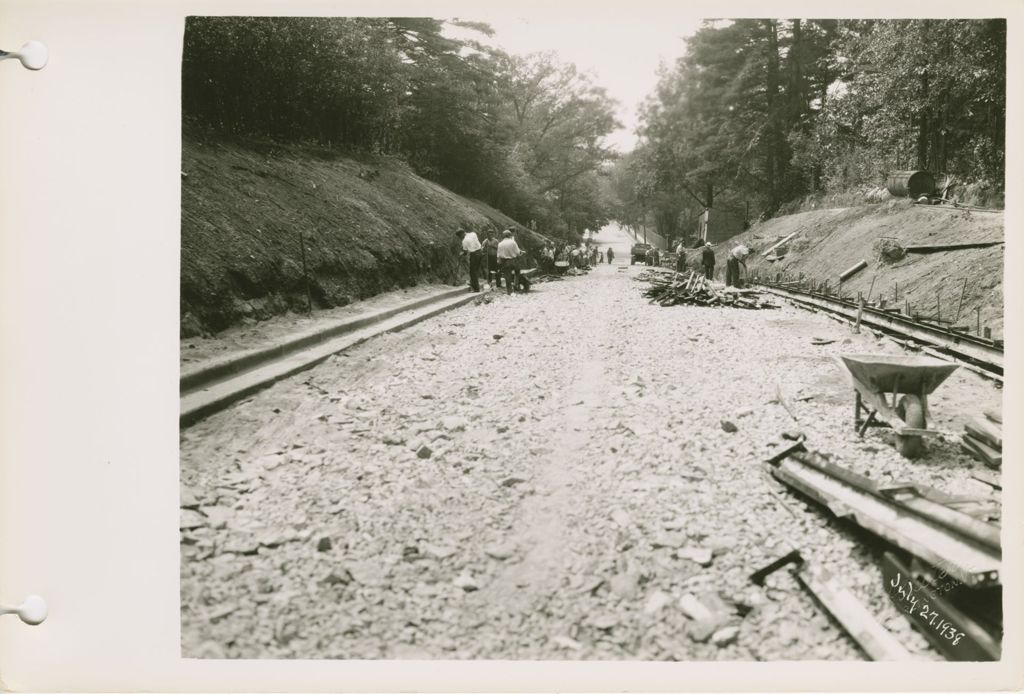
x: 472, y: 247
x: 680, y: 257
x: 737, y: 256
x: 508, y: 261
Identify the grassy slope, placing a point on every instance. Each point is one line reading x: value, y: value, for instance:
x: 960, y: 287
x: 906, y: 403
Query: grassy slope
x: 835, y: 240
x: 243, y: 207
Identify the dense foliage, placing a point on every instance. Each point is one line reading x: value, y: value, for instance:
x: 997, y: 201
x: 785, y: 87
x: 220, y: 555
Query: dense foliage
x: 521, y: 133
x: 770, y: 111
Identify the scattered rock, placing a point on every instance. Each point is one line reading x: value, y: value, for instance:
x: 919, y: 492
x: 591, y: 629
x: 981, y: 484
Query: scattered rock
x: 656, y: 602
x: 465, y: 582
x: 621, y: 518
x: 210, y: 650
x: 693, y: 608
x: 392, y: 440
x: 702, y: 629
x: 792, y: 434
x: 725, y: 636
x: 511, y: 481
x: 439, y: 551
x: 743, y: 412
x: 343, y: 577
x: 454, y: 423
x: 625, y: 585
x: 324, y: 544
x: 188, y: 499
x: 241, y: 545
x: 424, y: 452
x: 700, y: 555
x: 605, y: 621
x: 500, y: 551
x: 191, y: 519
x: 217, y: 516
x: 673, y: 540
x: 566, y: 642
x: 221, y: 612
x: 729, y: 427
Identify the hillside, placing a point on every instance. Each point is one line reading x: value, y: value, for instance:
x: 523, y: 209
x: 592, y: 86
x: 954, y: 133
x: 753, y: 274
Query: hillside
x: 832, y: 241
x: 369, y: 226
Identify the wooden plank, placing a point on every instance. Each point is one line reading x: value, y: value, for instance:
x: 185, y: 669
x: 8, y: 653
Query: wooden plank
x: 982, y: 429
x: 988, y: 478
x: 937, y: 248
x: 966, y: 560
x: 996, y: 417
x: 776, y: 245
x: 983, y: 451
x: 851, y: 614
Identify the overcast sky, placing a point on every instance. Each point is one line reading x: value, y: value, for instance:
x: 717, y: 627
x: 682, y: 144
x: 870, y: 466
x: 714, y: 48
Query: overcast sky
x: 621, y: 52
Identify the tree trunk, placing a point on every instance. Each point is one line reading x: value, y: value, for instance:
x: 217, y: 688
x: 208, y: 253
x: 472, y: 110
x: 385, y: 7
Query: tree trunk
x: 773, y: 164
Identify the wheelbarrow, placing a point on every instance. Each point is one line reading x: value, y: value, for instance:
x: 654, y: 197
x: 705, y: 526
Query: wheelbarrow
x: 893, y: 391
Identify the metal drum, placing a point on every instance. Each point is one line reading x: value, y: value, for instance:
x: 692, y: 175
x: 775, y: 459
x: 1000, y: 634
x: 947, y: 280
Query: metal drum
x: 910, y: 183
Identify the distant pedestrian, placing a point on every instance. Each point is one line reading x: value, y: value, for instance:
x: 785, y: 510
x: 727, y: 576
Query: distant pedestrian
x: 491, y: 255
x: 737, y: 256
x: 473, y: 249
x: 611, y: 255
x: 508, y: 260
x: 707, y: 259
x: 680, y: 257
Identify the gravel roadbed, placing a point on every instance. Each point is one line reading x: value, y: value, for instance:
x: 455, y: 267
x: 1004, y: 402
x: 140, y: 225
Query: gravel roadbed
x: 543, y: 476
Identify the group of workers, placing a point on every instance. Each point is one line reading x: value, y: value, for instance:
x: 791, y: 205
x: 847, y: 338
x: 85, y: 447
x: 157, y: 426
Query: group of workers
x: 501, y: 260
x: 735, y: 258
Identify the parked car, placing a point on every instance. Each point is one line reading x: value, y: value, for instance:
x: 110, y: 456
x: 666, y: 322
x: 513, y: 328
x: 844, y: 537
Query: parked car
x: 639, y: 252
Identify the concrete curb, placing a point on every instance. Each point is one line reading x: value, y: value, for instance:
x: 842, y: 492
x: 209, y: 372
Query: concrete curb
x: 220, y: 368
x: 218, y: 385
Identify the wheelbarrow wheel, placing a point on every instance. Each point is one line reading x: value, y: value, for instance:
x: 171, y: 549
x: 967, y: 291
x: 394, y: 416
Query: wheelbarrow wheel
x: 911, y: 411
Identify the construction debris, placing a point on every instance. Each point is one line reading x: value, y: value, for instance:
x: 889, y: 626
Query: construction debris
x: 914, y: 518
x: 951, y: 246
x: 853, y: 271
x: 692, y: 288
x: 983, y: 439
x: 874, y: 639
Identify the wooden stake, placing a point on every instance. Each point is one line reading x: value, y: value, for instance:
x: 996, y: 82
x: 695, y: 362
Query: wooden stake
x: 860, y: 309
x: 305, y: 273
x: 870, y: 289
x: 896, y: 292
x: 963, y: 290
x: 978, y: 313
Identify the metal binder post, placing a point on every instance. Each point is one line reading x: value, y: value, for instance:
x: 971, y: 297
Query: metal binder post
x: 33, y: 611
x: 32, y: 55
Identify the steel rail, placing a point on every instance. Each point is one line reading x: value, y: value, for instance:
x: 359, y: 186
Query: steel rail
x: 984, y: 353
x: 968, y: 549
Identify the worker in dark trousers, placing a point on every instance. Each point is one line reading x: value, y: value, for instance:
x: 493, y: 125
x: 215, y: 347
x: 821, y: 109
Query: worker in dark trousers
x: 707, y: 260
x: 737, y: 256
x: 611, y: 255
x: 491, y: 254
x: 472, y: 247
x: 680, y: 257
x: 508, y: 260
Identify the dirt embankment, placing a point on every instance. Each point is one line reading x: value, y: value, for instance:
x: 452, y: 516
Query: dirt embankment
x: 833, y: 241
x: 368, y: 226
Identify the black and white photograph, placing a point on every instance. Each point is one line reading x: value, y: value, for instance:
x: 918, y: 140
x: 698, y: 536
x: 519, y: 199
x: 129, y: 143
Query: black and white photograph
x: 602, y: 337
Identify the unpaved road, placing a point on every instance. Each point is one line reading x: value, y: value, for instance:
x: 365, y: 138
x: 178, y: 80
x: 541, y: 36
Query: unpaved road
x: 579, y: 491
